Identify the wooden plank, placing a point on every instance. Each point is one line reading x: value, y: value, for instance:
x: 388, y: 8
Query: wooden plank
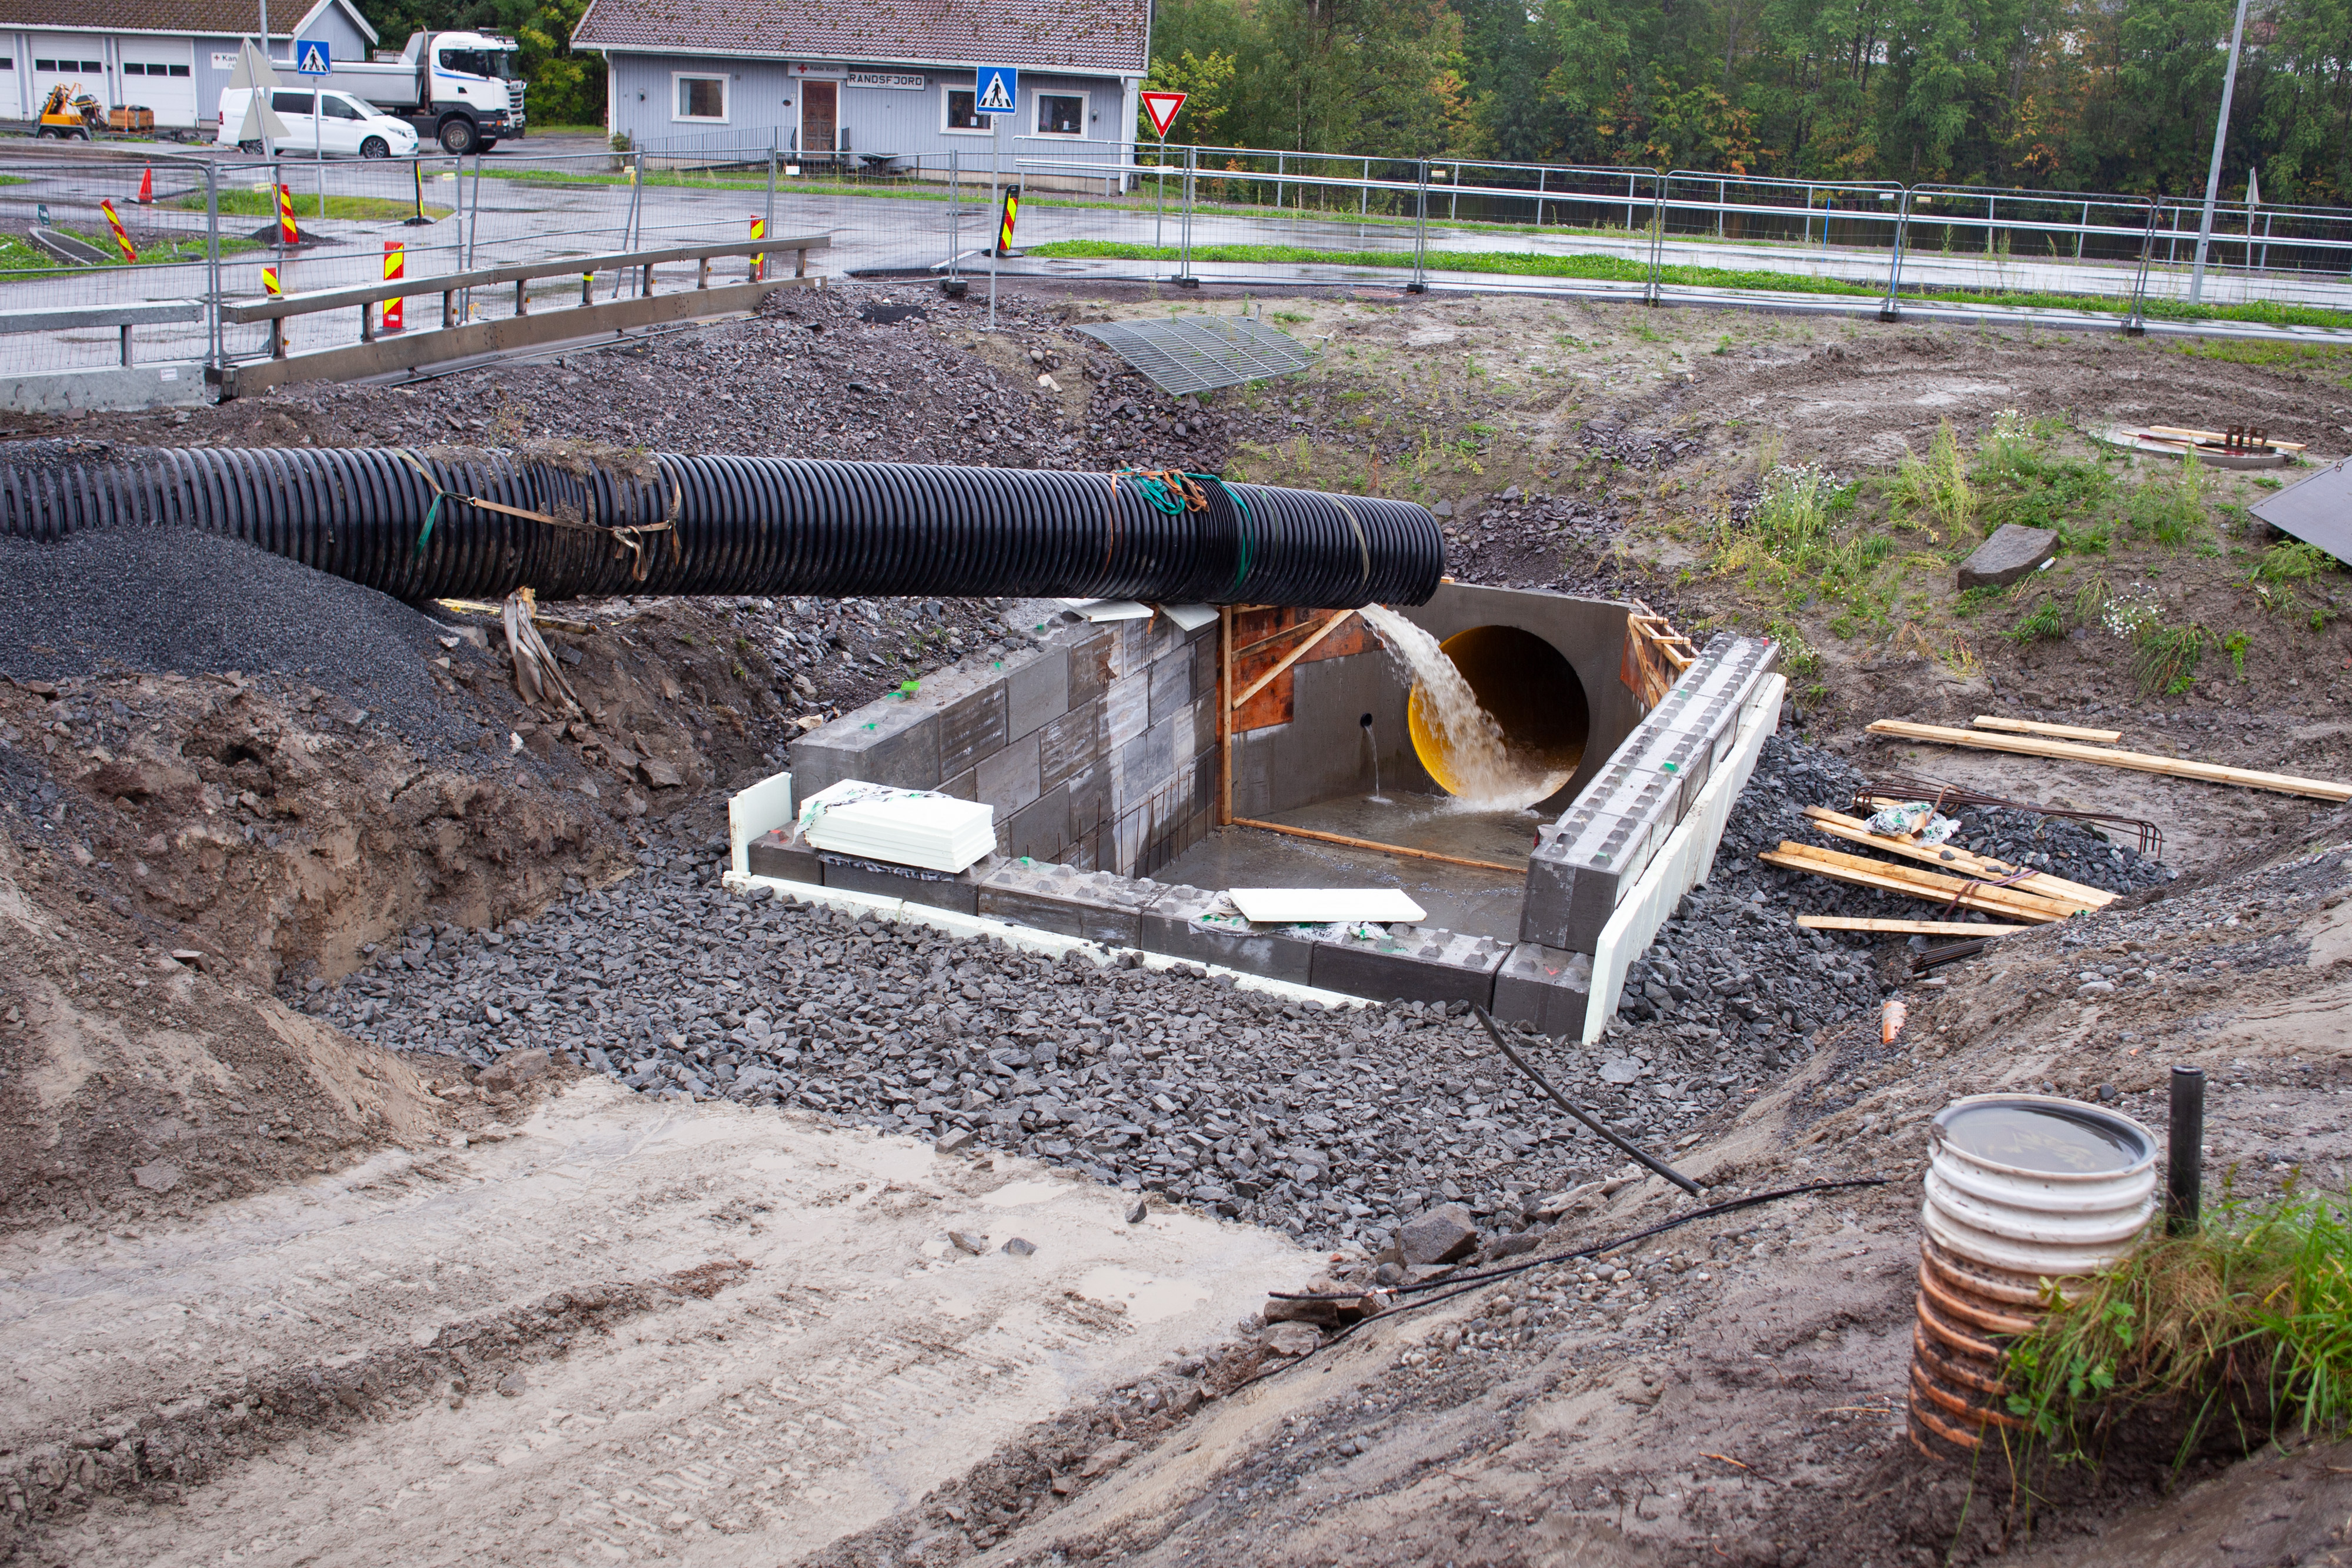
x: 2214, y: 437
x: 1907, y: 927
x: 1291, y: 658
x: 1925, y: 885
x: 2055, y: 731
x: 2138, y: 761
x: 1853, y: 829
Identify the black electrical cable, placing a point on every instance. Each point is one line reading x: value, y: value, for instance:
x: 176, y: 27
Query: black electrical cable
x: 444, y: 523
x: 1563, y: 1101
x: 1462, y: 1284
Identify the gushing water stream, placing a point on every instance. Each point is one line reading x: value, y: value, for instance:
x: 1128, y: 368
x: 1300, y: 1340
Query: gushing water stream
x: 1483, y: 771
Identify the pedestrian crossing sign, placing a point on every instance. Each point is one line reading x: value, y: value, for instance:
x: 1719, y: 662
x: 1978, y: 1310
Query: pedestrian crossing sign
x: 313, y: 58
x: 997, y: 90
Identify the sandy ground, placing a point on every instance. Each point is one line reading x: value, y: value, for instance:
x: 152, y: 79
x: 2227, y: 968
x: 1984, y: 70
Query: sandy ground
x: 788, y: 1347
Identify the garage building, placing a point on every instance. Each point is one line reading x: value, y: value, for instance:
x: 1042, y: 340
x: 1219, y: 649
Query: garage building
x: 170, y: 56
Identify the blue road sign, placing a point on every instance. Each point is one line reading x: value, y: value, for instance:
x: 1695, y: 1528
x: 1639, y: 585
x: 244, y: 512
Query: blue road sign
x: 996, y: 90
x: 313, y: 58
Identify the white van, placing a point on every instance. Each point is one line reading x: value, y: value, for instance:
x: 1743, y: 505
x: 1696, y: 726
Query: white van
x: 334, y: 121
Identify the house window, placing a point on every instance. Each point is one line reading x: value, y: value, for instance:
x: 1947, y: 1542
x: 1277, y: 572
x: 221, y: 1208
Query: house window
x: 130, y: 70
x: 1060, y: 114
x: 176, y: 70
x: 44, y: 65
x: 93, y: 66
x: 961, y: 113
x: 7, y: 63
x: 698, y: 98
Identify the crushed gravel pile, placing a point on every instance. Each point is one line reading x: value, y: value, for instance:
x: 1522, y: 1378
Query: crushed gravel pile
x: 176, y: 602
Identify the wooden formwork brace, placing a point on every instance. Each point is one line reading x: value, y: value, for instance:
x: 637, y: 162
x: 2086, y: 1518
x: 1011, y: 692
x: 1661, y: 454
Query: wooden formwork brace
x: 1655, y: 655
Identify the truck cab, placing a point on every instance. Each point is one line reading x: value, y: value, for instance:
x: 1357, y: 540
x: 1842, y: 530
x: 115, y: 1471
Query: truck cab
x: 469, y: 91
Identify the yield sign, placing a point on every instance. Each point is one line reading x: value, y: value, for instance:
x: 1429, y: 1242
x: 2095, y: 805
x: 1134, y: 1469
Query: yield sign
x: 1163, y: 106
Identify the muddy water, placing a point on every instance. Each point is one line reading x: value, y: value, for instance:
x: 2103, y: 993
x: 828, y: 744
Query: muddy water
x: 1490, y: 774
x: 2032, y: 1138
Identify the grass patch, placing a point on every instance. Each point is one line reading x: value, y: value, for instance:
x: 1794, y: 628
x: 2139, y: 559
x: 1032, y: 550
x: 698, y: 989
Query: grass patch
x: 18, y: 257
x: 1939, y: 488
x: 1617, y: 269
x: 2170, y: 508
x: 2164, y: 659
x: 262, y: 204
x: 2045, y: 623
x: 2312, y: 359
x: 2249, y: 1318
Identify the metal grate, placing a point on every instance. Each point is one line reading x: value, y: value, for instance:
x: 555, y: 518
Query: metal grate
x: 1192, y: 354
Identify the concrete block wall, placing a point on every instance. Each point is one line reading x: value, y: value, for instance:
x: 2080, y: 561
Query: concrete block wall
x: 1585, y: 863
x: 1098, y: 749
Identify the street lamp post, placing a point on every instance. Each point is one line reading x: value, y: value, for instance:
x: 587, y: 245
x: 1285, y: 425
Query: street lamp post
x: 2213, y: 169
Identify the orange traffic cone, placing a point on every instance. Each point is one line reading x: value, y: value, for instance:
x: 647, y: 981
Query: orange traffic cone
x: 147, y: 187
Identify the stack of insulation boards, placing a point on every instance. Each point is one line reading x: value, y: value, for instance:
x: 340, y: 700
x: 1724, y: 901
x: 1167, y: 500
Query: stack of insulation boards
x: 1586, y: 863
x: 898, y: 827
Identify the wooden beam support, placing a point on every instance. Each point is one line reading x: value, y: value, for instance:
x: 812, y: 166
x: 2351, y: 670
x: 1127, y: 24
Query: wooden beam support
x: 2055, y: 731
x: 1375, y: 844
x: 1267, y: 679
x: 1907, y: 927
x: 2138, y: 761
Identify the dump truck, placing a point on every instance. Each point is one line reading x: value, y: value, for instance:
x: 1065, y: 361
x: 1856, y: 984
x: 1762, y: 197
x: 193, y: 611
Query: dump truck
x: 460, y: 90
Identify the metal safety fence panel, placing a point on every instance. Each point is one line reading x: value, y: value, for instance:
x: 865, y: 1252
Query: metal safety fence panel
x: 60, y: 253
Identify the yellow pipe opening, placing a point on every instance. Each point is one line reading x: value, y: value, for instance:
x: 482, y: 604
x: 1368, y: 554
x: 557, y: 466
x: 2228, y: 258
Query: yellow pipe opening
x: 1529, y: 689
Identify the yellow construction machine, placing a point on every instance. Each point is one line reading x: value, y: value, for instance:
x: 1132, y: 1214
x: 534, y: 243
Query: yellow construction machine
x: 71, y: 113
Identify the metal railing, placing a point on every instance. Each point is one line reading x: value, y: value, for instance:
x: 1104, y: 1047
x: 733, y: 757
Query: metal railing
x: 1657, y: 236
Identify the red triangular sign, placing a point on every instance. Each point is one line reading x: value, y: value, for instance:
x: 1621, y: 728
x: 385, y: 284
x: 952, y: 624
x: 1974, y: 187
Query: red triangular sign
x: 1163, y: 106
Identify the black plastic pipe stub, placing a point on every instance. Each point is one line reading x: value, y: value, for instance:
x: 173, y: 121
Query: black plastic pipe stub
x: 2184, y: 1171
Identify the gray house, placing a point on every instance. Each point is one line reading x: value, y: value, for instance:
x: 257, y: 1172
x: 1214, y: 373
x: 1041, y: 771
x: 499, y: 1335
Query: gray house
x: 170, y: 56
x: 873, y: 79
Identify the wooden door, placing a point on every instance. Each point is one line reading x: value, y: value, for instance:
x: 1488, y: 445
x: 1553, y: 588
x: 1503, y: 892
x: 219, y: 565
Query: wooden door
x: 820, y: 113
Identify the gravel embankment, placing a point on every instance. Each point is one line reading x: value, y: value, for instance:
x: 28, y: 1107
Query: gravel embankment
x: 1332, y: 1125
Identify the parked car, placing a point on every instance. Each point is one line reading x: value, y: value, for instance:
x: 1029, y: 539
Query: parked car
x: 335, y: 122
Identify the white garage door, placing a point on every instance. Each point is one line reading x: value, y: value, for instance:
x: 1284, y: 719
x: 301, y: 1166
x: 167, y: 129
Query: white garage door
x: 73, y: 58
x: 161, y: 74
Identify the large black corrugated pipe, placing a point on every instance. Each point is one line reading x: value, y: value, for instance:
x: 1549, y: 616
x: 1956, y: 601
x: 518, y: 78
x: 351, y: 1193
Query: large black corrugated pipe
x: 442, y: 523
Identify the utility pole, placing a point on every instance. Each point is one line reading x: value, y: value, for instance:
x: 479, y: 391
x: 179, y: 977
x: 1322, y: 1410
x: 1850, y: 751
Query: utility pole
x: 2213, y: 169
x: 265, y: 31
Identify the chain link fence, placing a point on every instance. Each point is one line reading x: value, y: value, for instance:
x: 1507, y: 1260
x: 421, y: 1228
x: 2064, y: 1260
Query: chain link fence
x: 204, y: 230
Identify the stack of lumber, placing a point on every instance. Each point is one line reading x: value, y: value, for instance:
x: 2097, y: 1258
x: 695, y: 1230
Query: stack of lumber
x: 2017, y: 895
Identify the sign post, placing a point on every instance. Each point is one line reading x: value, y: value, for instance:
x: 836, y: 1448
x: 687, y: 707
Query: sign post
x: 995, y: 92
x: 316, y: 57
x: 1161, y: 106
x: 395, y: 270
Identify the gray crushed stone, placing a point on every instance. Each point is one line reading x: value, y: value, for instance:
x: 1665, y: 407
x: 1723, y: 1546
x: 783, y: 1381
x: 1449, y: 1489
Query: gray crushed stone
x: 178, y: 601
x: 1336, y: 1125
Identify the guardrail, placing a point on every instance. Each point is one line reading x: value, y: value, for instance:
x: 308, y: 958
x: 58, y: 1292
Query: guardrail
x: 274, y: 309
x: 74, y: 317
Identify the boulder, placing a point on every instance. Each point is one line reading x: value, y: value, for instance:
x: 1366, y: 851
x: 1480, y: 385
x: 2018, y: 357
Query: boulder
x: 2013, y: 551
x: 1444, y: 1235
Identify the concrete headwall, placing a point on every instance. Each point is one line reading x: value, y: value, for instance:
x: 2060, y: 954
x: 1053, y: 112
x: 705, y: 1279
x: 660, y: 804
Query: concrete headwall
x: 1323, y: 750
x: 1098, y: 750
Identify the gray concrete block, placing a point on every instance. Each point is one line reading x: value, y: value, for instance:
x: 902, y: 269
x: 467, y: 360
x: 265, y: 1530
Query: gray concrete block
x: 1581, y: 871
x: 1008, y: 780
x: 1127, y: 710
x: 1415, y: 963
x: 1547, y: 987
x: 1204, y: 661
x: 1036, y: 689
x: 891, y: 741
x: 1090, y: 798
x: 1188, y: 923
x: 964, y: 786
x: 1149, y: 762
x: 1071, y: 743
x: 108, y: 387
x: 1090, y: 649
x: 971, y: 726
x: 1171, y: 684
x: 2014, y: 551
x: 774, y: 854
x: 960, y: 892
x: 1094, y: 905
x: 1041, y: 829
